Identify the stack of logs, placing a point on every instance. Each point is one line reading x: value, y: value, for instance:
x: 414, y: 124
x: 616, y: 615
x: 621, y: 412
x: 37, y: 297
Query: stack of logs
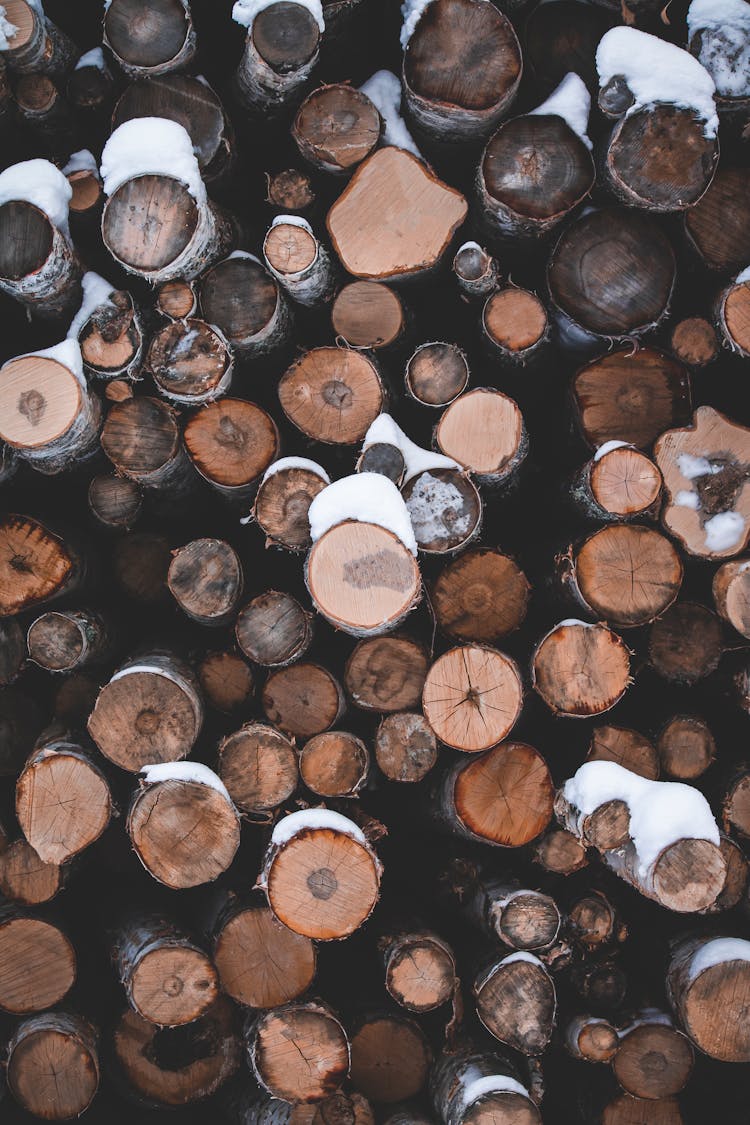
x: 374, y: 596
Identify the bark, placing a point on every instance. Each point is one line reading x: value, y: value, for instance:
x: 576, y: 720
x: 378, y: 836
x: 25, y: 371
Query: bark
x: 259, y: 767
x: 38, y: 45
x: 205, y: 579
x: 299, y: 262
x: 141, y: 438
x: 273, y: 629
x: 65, y: 640
x: 455, y: 1073
x: 164, y: 43
x: 477, y: 273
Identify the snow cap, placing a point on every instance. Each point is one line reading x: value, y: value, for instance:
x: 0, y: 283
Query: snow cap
x: 151, y: 146
x: 367, y: 498
x: 41, y: 183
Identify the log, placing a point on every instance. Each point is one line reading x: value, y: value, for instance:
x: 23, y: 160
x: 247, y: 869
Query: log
x: 285, y: 494
x: 146, y: 44
x: 472, y: 697
x: 601, y: 982
x: 626, y: 748
x: 177, y: 299
x: 36, y: 565
x: 515, y: 327
x: 320, y: 875
x: 731, y: 313
x: 253, y: 1106
x: 36, y: 44
x: 735, y: 884
x: 280, y: 56
x: 386, y: 674
x: 461, y: 70
x: 182, y: 824
x: 516, y: 1002
x: 291, y: 189
x: 694, y: 342
x: 405, y: 747
x: 420, y: 968
x: 718, y: 226
x: 654, y: 1059
x: 731, y: 594
x: 205, y: 579
x: 37, y: 962
x: 484, y: 431
x: 191, y: 362
x: 591, y: 1038
x: 298, y: 1052
x: 244, y: 301
x: 150, y: 711
x: 686, y: 644
x: 332, y: 395
x: 581, y: 670
x: 626, y: 1110
x: 299, y: 262
x: 90, y: 86
x: 303, y: 699
x: 390, y: 1058
x: 336, y: 128
x: 619, y: 483
x: 707, y: 985
x: 273, y: 629
x: 476, y: 271
x: 110, y: 335
x: 25, y: 879
x: 686, y: 747
x: 471, y: 1085
x: 445, y: 509
x: 141, y: 438
x: 45, y: 113
x: 115, y: 502
x: 594, y: 922
x: 231, y: 443
x: 368, y: 314
x: 62, y: 641
x: 334, y: 764
x: 53, y: 1065
x: 258, y: 765
x: 720, y: 43
x: 226, y: 681
x: 559, y: 852
x: 436, y: 374
x: 735, y: 805
x: 520, y: 918
x: 168, y: 979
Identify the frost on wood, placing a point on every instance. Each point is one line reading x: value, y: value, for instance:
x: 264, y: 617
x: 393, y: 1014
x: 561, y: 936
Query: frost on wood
x: 724, y: 48
x: 490, y: 1084
x: 716, y: 952
x: 82, y: 161
x: 184, y: 771
x: 296, y: 463
x: 245, y: 11
x: 151, y: 146
x: 94, y: 57
x: 657, y: 72
x: 96, y: 292
x: 571, y: 101
x: 312, y: 819
x: 385, y: 431
x: 38, y: 182
x: 366, y: 498
x: 7, y: 30
x: 384, y: 91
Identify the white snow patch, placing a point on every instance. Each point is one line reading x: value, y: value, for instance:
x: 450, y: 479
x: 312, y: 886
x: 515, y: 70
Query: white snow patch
x: 184, y: 344
x: 724, y: 530
x: 743, y: 277
x: 417, y: 460
x: 184, y: 771
x: 608, y: 446
x: 522, y: 955
x: 717, y: 952
x: 296, y: 463
x: 571, y: 101
x: 243, y: 254
x: 291, y: 221
x: 94, y: 57
x: 82, y: 161
x: 725, y: 52
x: 68, y: 353
x: 151, y: 146
x: 471, y: 246
x: 41, y: 183
x: 692, y: 467
x: 384, y: 91
x: 245, y: 11
x: 96, y: 292
x: 367, y: 498
x: 490, y: 1084
x: 311, y: 819
x: 687, y: 499
x: 7, y: 30
x: 412, y: 11
x: 573, y: 621
x: 661, y: 812
x: 430, y: 502
x: 657, y: 71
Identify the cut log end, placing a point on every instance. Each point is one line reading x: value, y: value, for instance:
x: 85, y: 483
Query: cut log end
x: 483, y: 430
x: 686, y: 643
x: 289, y: 248
x: 34, y: 564
x: 515, y: 321
x: 261, y: 963
x: 303, y: 700
x: 273, y: 629
x: 291, y: 190
x: 445, y: 510
x: 205, y: 579
x: 653, y: 1061
x: 172, y: 211
x: 226, y: 681
x: 480, y: 596
x: 172, y: 985
x: 53, y: 1066
x: 286, y: 36
x: 386, y: 673
x: 694, y: 342
x: 63, y: 803
x: 336, y: 127
x: 508, y: 987
x: 334, y: 764
x: 332, y: 395
x: 37, y: 964
x: 626, y: 748
x: 581, y: 670
x: 390, y: 1059
x: 472, y: 697
x: 367, y: 314
x: 689, y: 876
x: 505, y: 797
x: 150, y: 40
x: 731, y: 591
x: 436, y: 374
x: 40, y: 400
x: 300, y: 1053
x: 686, y: 747
x: 420, y: 974
x: 231, y: 443
x: 624, y: 482
x: 405, y: 747
x: 282, y: 504
x: 258, y: 765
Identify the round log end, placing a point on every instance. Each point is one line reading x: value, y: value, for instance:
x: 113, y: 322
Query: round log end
x: 689, y: 876
x: 173, y: 985
x: 506, y: 796
x: 472, y: 697
x: 40, y: 400
x: 581, y: 670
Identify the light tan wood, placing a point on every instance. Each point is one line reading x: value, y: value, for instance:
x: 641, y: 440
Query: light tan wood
x: 390, y: 1059
x: 334, y: 764
x: 24, y: 878
x: 87, y: 191
x: 332, y: 395
x: 731, y: 591
x: 53, y: 1066
x: 258, y: 765
x: 482, y: 430
x: 289, y: 248
x: 261, y: 963
x: 627, y: 574
x: 303, y: 699
x: 472, y: 697
x: 300, y: 1053
x: 627, y: 748
x: 63, y: 803
x: 505, y: 796
x: 170, y: 981
x: 367, y: 314
x: 625, y: 482
x: 176, y: 299
x: 581, y: 670
x: 420, y: 972
x: 37, y: 964
x: 515, y: 319
x: 39, y: 401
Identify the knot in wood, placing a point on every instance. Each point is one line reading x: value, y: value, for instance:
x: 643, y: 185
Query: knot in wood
x: 322, y: 883
x: 147, y: 722
x: 33, y: 405
x: 337, y: 393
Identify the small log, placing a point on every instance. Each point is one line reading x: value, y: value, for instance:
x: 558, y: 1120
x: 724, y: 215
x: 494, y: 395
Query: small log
x: 708, y: 985
x: 654, y: 1059
x: 626, y: 748
x: 226, y: 681
x: 115, y: 502
x: 205, y: 579
x: 253, y: 1106
x: 303, y: 699
x: 190, y: 361
x: 581, y: 670
x: 437, y: 374
x: 694, y: 342
x: 299, y: 262
x: 261, y: 964
x: 593, y: 922
x: 168, y: 979
x: 405, y: 747
x: 718, y: 226
x: 290, y: 190
x: 90, y: 86
x: 386, y: 674
x: 516, y: 1002
x: 735, y: 804
x: 141, y: 438
x: 61, y: 641
x: 619, y: 483
x: 625, y: 574
x: 53, y: 1065
x: 732, y: 312
x: 12, y: 650
x: 605, y: 826
x: 111, y: 337
x: 150, y: 711
x: 182, y: 824
x: 731, y: 593
x: 280, y: 56
x: 470, y: 1085
x: 720, y: 43
x: 686, y: 644
x: 630, y: 396
x: 601, y: 982
x: 274, y: 629
x: 320, y: 875
x: 591, y: 1038
x: 231, y: 443
x: 177, y: 299
x: 36, y: 44
x: 45, y: 113
x: 686, y: 747
x: 146, y: 45
x: 334, y: 764
x: 420, y: 969
x: 63, y: 802
x: 476, y: 271
x: 259, y: 767
x: 37, y: 962
x: 395, y: 219
x: 472, y: 697
x: 626, y: 1110
x: 36, y: 566
x: 285, y: 494
x: 503, y: 797
x: 445, y: 509
x: 481, y: 596
x: 390, y: 1058
x: 332, y: 395
x: 520, y: 918
x: 515, y: 327
x: 559, y: 852
x: 735, y: 884
x: 336, y: 128
x: 243, y: 300
x: 298, y: 1052
x: 484, y: 431
x: 176, y: 1066
x: 612, y: 273
x: 368, y: 314
x: 25, y: 879
x: 140, y: 564
x: 462, y: 66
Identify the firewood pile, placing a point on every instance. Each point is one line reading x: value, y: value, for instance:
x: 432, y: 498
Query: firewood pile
x: 375, y: 562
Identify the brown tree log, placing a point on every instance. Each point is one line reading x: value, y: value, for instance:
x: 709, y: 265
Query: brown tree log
x: 190, y: 361
x: 731, y: 593
x: 627, y: 1110
x: 626, y: 747
x: 177, y: 299
x: 334, y: 764
x: 332, y: 395
x: 36, y: 44
x: 390, y: 1058
x: 386, y: 674
x: 37, y: 962
x: 285, y: 494
x: 445, y: 509
x: 273, y: 629
x: 259, y: 767
x: 405, y: 746
x: 90, y: 86
x: 686, y: 644
x: 654, y: 1060
x: 142, y: 440
x: 481, y: 596
x: 708, y: 983
x: 559, y: 852
x: 368, y: 314
x: 226, y: 681
x: 470, y: 1086
x: 515, y: 327
x: 65, y: 640
x: 520, y: 918
x: 420, y: 968
x: 299, y: 262
x: 111, y: 337
x: 24, y: 878
x: 205, y: 578
x: 718, y: 226
x: 732, y: 313
x: 591, y: 1038
x: 291, y: 189
x: 303, y: 699
x: 336, y: 128
x: 231, y: 443
x: 280, y: 56
x: 244, y: 301
x: 516, y: 1002
x: 45, y: 113
x: 581, y: 670
x: 436, y: 374
x: 82, y: 173
x: 694, y: 342
x: 484, y: 431
x: 146, y: 45
x: 472, y: 697
x: 620, y: 483
x: 593, y: 922
x: 735, y: 805
x: 298, y: 1052
x: 253, y: 1106
x: 686, y: 747
x: 53, y: 1065
x: 36, y: 566
x: 476, y: 271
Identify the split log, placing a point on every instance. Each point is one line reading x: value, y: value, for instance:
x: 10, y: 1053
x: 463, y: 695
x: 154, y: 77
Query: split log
x: 386, y: 674
x: 461, y: 71
x: 591, y: 1038
x: 503, y: 797
x: 231, y: 443
x: 581, y: 670
x: 150, y: 711
x: 205, y: 579
x: 182, y: 824
x: 227, y: 682
x: 336, y: 128
x: 390, y: 1058
x: 53, y: 1065
x: 469, y: 1086
x: 290, y: 190
x: 476, y: 271
x: 298, y: 1052
x: 481, y: 596
x: 686, y: 747
x: 140, y: 563
x: 141, y: 438
x: 445, y: 509
x: 285, y: 494
x: 280, y: 56
x: 115, y: 502
x: 708, y: 984
x: 36, y: 565
x: 64, y: 640
x: 686, y: 644
x: 258, y: 765
x: 630, y: 396
x: 611, y: 274
x: 151, y: 43
x: 110, y: 334
x: 37, y: 962
x: 334, y: 764
x: 405, y: 747
x: 625, y: 574
x: 484, y: 431
x: 332, y: 395
x: 706, y: 470
x: 395, y: 219
x: 299, y: 262
x: 244, y: 301
x: 516, y: 1002
x: 619, y: 483
x: 731, y: 593
x: 626, y: 748
x: 694, y: 342
x: 515, y: 327
x: 274, y: 629
x: 261, y: 964
x: 559, y: 852
x: 190, y: 361
x: 167, y: 978
x: 437, y: 374
x: 303, y: 699
x: 472, y: 697
x: 367, y: 314
x: 320, y: 875
x: 63, y: 802
x: 420, y: 969
x: 35, y: 43
x: 654, y: 1060
x: 173, y: 1067
x: 732, y: 313
x: 718, y: 227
